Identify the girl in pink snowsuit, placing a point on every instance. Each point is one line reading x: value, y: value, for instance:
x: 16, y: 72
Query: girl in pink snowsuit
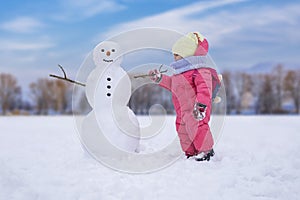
x: 193, y: 88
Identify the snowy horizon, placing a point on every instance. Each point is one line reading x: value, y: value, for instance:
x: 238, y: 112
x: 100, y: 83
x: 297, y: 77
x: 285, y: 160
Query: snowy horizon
x: 257, y: 68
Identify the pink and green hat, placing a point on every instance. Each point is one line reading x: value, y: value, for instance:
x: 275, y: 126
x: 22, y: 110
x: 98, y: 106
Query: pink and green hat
x: 192, y: 44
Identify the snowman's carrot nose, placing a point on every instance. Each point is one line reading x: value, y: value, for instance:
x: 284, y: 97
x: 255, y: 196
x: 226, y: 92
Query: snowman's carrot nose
x: 108, y: 53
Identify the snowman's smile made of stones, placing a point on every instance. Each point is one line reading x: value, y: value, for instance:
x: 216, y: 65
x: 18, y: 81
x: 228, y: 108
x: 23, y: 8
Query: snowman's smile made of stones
x: 108, y: 53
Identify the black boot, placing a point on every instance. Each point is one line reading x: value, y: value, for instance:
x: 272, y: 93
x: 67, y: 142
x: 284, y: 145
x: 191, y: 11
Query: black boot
x: 205, y: 156
x: 188, y: 156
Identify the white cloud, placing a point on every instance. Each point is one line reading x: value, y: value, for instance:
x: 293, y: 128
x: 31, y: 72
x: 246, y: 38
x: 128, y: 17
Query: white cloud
x: 219, y: 24
x: 22, y: 25
x: 12, y: 45
x: 248, y: 31
x: 81, y: 9
x: 177, y: 19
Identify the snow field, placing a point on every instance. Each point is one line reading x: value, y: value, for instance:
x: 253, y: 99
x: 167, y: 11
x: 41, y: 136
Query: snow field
x: 257, y: 157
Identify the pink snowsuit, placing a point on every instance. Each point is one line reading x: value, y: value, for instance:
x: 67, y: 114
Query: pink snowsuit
x: 189, y: 87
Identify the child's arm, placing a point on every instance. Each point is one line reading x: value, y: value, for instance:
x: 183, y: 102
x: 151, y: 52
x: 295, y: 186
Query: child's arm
x: 162, y: 80
x: 203, y: 83
x: 165, y: 82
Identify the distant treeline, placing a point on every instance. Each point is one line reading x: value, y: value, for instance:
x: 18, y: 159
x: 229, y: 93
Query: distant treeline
x: 276, y: 92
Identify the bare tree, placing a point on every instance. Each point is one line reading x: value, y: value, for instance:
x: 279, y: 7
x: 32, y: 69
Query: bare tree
x: 229, y: 87
x: 266, y: 97
x: 292, y: 87
x: 62, y: 96
x: 277, y: 78
x: 10, y: 92
x: 243, y: 84
x: 50, y: 95
x: 145, y: 94
x: 41, y: 95
x: 296, y: 94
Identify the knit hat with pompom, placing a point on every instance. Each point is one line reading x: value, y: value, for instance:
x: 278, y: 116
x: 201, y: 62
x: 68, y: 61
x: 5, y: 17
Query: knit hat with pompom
x: 192, y: 44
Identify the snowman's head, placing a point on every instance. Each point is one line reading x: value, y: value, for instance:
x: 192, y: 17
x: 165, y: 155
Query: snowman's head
x: 105, y: 53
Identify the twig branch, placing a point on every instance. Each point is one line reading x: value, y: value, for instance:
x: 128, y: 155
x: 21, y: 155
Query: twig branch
x: 62, y: 69
x: 65, y: 77
x: 148, y: 75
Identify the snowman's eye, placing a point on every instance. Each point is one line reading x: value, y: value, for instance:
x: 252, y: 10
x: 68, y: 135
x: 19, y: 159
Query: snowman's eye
x: 102, y: 50
x: 113, y: 50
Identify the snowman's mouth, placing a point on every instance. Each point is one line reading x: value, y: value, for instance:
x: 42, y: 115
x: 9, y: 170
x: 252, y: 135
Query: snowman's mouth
x: 107, y: 60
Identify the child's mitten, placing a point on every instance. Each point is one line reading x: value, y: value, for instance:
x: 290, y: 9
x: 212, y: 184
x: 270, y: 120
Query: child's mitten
x: 199, y: 111
x: 155, y: 75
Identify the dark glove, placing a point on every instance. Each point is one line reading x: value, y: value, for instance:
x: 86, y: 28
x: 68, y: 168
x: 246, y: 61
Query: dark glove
x: 199, y: 111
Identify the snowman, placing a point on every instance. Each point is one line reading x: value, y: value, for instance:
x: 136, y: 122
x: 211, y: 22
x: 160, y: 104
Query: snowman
x: 108, y: 90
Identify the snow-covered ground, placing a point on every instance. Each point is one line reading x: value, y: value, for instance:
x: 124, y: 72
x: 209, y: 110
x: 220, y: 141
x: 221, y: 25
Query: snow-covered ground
x: 257, y: 157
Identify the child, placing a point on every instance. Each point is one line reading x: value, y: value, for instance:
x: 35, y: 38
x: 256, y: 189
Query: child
x: 193, y: 87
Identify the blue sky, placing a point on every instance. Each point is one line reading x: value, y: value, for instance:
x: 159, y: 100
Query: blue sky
x: 37, y: 35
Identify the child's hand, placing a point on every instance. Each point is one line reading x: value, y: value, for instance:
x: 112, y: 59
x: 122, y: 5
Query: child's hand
x: 155, y: 75
x: 199, y: 111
